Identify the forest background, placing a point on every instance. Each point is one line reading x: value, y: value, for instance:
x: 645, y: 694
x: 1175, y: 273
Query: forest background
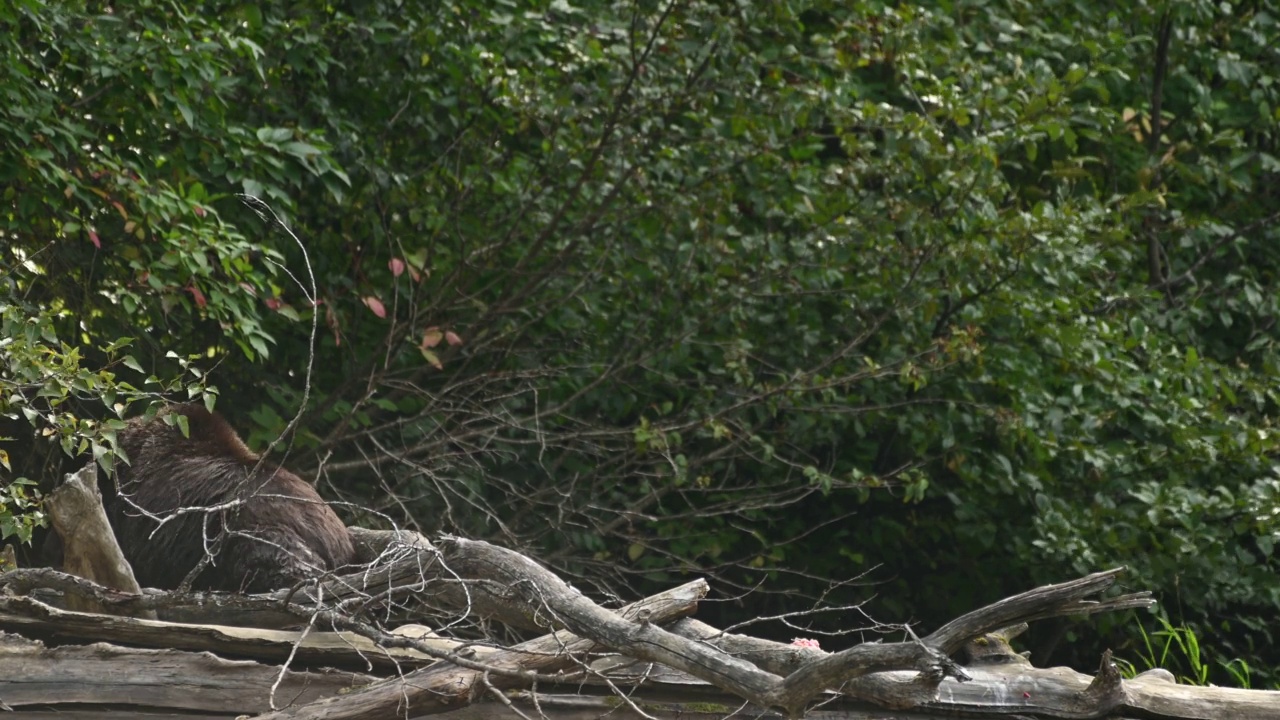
x: 908, y: 305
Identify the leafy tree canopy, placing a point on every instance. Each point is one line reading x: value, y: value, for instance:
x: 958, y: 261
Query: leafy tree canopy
x: 965, y: 296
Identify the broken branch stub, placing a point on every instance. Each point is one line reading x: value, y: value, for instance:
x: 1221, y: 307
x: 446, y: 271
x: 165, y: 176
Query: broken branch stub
x: 89, y: 547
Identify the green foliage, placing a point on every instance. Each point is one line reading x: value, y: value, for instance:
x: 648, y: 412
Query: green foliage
x: 112, y: 251
x: 1187, y: 645
x: 1179, y: 647
x: 20, y: 510
x: 979, y: 294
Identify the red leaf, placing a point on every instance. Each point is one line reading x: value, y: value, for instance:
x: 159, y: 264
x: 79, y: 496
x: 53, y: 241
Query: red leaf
x: 397, y: 267
x: 197, y: 295
x: 431, y: 337
x: 93, y: 238
x: 199, y: 211
x: 376, y: 306
x: 452, y: 338
x: 273, y: 303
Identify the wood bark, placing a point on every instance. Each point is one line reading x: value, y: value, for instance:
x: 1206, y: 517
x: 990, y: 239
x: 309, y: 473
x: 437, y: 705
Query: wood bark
x: 386, y: 651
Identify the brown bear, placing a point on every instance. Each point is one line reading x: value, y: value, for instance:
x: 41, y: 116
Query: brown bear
x: 280, y: 533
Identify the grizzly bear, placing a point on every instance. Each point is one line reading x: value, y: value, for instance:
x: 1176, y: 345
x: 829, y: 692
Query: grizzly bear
x: 265, y: 527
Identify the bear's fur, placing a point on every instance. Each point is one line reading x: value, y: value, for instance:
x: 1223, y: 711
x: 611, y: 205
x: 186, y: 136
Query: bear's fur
x: 281, y: 533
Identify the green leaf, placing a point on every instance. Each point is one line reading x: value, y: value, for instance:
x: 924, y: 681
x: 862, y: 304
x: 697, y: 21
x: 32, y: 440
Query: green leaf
x: 274, y: 135
x: 186, y: 113
x: 300, y: 149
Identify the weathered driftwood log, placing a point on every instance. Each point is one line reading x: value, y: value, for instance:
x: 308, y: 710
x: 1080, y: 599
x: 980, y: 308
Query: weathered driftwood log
x: 484, y: 580
x: 302, y: 648
x: 374, y: 650
x: 35, y: 677
x: 474, y: 579
x: 55, y: 588
x: 106, y: 681
x: 475, y: 674
x: 100, y: 674
x: 513, y: 581
x: 448, y: 684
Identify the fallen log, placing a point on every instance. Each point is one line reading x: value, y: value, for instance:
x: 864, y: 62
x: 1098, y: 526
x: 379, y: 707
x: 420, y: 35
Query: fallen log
x: 99, y: 674
x: 307, y: 647
x: 669, y: 661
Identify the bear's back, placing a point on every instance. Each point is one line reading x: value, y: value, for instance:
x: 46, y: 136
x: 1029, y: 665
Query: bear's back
x: 279, y: 532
